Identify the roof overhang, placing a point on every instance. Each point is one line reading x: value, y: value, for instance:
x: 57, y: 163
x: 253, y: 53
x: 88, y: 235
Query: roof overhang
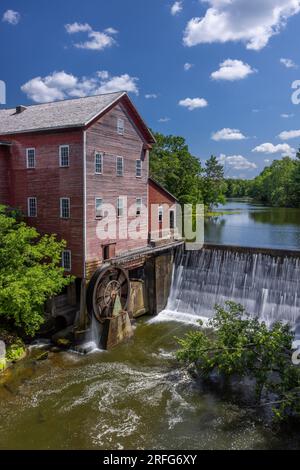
x: 6, y: 144
x: 162, y: 188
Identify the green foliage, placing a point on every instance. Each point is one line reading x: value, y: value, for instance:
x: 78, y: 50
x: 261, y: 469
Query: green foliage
x: 30, y: 272
x: 173, y: 166
x: 15, y: 351
x: 240, y: 345
x: 238, y: 188
x: 276, y: 184
x: 213, y: 183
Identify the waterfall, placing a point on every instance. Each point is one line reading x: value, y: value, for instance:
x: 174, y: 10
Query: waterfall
x: 267, y: 286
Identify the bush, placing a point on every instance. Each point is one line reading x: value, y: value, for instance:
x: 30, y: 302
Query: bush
x: 240, y: 345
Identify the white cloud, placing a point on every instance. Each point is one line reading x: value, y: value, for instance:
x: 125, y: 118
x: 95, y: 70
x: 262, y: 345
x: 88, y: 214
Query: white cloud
x: 252, y: 22
x: 193, y: 103
x: 288, y: 63
x: 165, y: 119
x: 97, y: 40
x: 11, y: 17
x: 228, y: 134
x: 232, y: 70
x: 286, y: 135
x: 150, y: 96
x: 187, y: 66
x: 267, y: 160
x: 237, y: 162
x: 61, y: 85
x: 268, y: 148
x: 287, y: 116
x: 176, y: 8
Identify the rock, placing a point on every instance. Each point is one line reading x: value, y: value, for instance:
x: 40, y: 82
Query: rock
x: 42, y: 356
x: 63, y: 342
x: 2, y: 350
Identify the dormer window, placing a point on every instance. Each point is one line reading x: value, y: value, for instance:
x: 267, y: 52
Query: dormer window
x: 120, y: 126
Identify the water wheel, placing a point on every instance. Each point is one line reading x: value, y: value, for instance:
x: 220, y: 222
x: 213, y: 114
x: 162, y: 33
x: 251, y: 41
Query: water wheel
x: 106, y: 283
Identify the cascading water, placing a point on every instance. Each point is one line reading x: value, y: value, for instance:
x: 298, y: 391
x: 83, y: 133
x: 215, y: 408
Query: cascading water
x: 267, y: 286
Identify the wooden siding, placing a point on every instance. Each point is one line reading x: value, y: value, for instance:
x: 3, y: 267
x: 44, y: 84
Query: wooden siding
x: 103, y: 137
x: 4, y: 175
x: 48, y: 183
x: 157, y: 196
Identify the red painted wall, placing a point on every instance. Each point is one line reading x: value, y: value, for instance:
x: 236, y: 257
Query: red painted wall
x: 157, y: 196
x: 4, y: 174
x: 102, y: 137
x: 48, y: 183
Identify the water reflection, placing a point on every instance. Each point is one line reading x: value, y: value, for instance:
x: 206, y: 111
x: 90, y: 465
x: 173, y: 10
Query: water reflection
x: 248, y: 224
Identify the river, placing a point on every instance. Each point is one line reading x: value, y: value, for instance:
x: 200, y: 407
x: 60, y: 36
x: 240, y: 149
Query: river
x: 136, y: 396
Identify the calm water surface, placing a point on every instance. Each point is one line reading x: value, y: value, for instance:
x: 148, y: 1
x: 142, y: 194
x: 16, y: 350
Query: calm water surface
x: 249, y: 224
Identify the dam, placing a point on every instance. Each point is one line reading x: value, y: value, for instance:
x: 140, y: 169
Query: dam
x: 266, y: 282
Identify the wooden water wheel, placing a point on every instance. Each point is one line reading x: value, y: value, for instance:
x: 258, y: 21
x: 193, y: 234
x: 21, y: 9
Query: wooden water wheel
x: 106, y: 283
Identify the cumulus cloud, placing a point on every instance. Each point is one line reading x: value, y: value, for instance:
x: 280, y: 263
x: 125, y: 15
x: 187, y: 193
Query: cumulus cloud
x: 164, y: 119
x: 232, y: 70
x: 11, y: 17
x: 237, y: 162
x: 268, y: 148
x: 176, y: 8
x: 252, y: 22
x: 287, y: 135
x: 193, y: 103
x: 287, y: 116
x: 150, y: 96
x: 61, y: 85
x: 288, y: 63
x: 187, y: 66
x: 228, y: 134
x: 97, y: 40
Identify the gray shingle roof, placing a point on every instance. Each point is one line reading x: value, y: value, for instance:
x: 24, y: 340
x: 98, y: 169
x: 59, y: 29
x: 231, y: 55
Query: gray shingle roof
x: 56, y: 115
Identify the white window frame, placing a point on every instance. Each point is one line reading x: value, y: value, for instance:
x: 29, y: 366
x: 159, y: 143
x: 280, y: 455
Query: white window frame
x: 160, y: 212
x: 61, y: 207
x: 31, y: 149
x: 69, y: 268
x: 138, y: 168
x: 120, y: 126
x: 120, y: 199
x: 61, y: 147
x: 29, y: 199
x: 101, y: 214
x: 99, y: 154
x: 139, y: 206
x: 119, y: 158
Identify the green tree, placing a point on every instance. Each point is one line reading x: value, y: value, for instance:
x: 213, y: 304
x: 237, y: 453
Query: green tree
x: 172, y: 165
x: 30, y: 272
x: 213, y: 183
x: 244, y: 346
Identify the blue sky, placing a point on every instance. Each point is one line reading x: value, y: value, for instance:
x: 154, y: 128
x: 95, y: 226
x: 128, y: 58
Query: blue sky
x: 53, y: 49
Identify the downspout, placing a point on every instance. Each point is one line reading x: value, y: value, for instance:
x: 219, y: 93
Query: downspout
x: 84, y: 205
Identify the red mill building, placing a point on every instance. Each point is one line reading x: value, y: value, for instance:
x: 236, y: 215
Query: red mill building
x: 61, y: 163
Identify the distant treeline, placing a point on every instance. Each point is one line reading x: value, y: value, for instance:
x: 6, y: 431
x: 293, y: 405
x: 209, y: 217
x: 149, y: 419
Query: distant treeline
x: 181, y: 173
x: 277, y: 185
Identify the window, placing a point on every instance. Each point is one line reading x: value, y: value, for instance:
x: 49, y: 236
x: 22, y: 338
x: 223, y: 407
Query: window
x: 64, y: 153
x: 98, y: 163
x: 66, y: 260
x: 138, y: 206
x: 98, y: 208
x: 32, y: 207
x: 120, y: 207
x: 172, y: 219
x: 138, y: 168
x: 160, y: 214
x: 120, y: 166
x: 30, y: 158
x: 65, y: 208
x: 120, y: 126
